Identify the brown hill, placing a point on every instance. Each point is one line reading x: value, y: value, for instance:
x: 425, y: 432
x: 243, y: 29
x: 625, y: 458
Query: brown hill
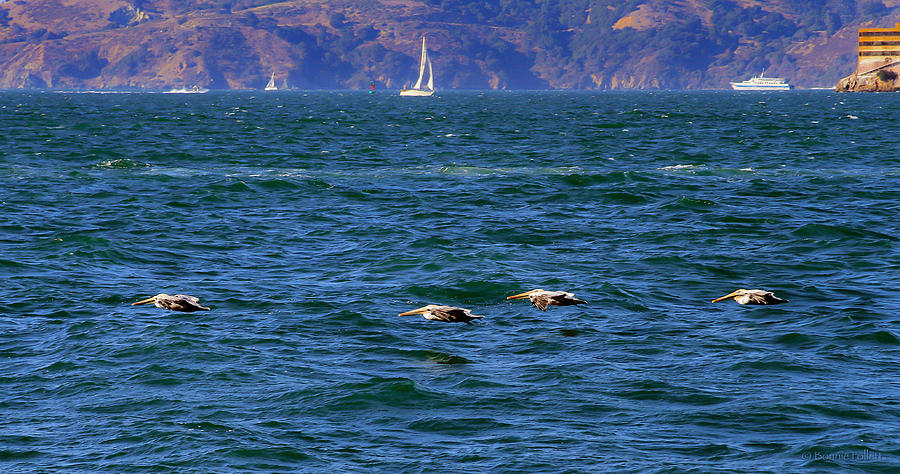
x: 158, y: 44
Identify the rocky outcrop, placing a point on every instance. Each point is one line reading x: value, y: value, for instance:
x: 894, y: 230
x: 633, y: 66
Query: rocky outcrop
x: 883, y: 80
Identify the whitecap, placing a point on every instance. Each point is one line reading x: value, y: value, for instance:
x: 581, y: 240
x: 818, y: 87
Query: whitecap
x: 120, y: 163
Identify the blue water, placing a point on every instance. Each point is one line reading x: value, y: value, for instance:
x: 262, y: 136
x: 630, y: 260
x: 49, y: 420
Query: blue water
x: 308, y: 221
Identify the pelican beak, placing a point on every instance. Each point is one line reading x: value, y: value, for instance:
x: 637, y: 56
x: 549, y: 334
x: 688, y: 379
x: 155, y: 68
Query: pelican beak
x: 729, y: 295
x: 520, y: 295
x: 422, y: 310
x: 146, y: 301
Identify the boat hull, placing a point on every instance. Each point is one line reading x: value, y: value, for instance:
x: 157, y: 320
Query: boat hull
x: 416, y: 92
x: 756, y: 87
x: 186, y: 91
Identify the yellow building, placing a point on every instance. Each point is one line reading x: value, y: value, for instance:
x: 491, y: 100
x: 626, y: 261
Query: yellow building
x: 879, y: 48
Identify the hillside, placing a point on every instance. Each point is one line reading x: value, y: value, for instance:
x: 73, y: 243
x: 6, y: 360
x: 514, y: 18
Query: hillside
x: 533, y: 44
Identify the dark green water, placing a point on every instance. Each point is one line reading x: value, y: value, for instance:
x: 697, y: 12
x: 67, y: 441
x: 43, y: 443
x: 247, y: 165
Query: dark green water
x: 309, y: 221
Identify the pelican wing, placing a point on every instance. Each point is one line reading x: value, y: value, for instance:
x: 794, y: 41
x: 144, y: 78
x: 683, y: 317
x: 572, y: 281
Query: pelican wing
x: 183, y: 303
x: 562, y: 298
x: 192, y: 299
x: 541, y: 301
x: 545, y: 299
x: 452, y: 314
x: 763, y: 297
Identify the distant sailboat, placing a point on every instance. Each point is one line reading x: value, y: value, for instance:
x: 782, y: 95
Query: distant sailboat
x: 417, y: 89
x: 271, y: 85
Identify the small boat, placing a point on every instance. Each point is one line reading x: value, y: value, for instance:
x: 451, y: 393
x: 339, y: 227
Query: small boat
x: 271, y: 85
x: 762, y: 83
x: 418, y: 90
x: 184, y: 90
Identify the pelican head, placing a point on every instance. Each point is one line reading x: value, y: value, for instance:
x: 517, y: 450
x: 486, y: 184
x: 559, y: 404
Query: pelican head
x: 150, y: 300
x: 739, y: 292
x: 422, y: 310
x: 527, y: 294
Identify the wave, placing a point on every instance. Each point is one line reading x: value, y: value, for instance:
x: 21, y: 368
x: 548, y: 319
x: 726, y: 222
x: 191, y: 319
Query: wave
x: 463, y: 170
x: 661, y: 391
x: 120, y: 164
x: 839, y: 232
x: 396, y: 392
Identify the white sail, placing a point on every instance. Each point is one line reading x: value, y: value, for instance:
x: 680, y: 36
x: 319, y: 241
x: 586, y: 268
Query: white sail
x: 271, y: 85
x: 421, y: 65
x: 418, y: 90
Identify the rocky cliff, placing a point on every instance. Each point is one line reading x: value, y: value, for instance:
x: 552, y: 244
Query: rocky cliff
x: 237, y: 44
x: 885, y: 80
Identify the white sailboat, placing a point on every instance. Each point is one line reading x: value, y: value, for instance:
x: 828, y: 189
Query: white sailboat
x: 271, y: 85
x: 417, y: 89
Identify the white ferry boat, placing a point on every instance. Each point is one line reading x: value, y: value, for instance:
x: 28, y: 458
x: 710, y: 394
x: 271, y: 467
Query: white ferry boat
x: 761, y: 83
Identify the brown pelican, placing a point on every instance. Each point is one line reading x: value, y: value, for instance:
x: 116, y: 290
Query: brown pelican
x: 743, y: 296
x: 448, y: 314
x: 543, y: 299
x: 184, y: 303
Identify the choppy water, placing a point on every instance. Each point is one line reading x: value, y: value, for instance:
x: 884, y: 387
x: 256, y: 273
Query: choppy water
x: 309, y: 221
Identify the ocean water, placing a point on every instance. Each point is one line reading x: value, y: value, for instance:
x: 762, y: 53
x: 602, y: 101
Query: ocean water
x: 308, y: 221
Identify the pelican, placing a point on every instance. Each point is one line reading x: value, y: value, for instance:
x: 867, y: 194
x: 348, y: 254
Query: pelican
x: 543, y: 299
x: 183, y: 303
x: 448, y: 314
x: 743, y: 296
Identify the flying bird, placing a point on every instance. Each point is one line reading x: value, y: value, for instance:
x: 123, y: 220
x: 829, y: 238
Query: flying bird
x: 743, y: 296
x: 183, y: 303
x: 448, y: 314
x: 543, y: 299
